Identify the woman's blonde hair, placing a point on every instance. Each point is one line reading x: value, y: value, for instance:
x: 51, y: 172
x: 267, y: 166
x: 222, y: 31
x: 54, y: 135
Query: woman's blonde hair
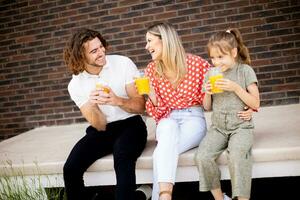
x: 173, y: 54
x: 225, y: 41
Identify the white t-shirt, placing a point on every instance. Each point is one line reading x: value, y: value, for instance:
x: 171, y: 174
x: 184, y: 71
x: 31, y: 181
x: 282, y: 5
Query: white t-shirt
x: 117, y: 72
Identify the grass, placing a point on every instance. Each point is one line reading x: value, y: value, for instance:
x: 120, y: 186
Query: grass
x: 15, y: 186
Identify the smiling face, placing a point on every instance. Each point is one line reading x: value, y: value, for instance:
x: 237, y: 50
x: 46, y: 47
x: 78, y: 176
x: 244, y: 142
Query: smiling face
x: 223, y: 60
x: 154, y: 46
x: 94, y: 55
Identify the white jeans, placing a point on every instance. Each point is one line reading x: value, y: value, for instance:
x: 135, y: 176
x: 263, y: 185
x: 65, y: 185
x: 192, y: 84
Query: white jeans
x: 181, y: 131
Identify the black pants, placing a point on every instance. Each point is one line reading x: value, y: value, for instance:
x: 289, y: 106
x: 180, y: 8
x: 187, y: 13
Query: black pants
x: 125, y: 139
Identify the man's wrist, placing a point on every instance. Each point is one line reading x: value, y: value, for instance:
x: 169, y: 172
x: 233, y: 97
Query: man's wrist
x: 91, y: 103
x: 148, y: 97
x: 120, y: 101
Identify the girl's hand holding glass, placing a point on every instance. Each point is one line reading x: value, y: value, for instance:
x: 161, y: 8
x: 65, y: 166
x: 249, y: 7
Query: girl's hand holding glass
x: 227, y: 85
x: 208, y: 87
x: 215, y: 74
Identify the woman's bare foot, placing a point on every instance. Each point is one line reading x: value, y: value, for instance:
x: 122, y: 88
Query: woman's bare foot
x: 165, y: 195
x: 165, y: 191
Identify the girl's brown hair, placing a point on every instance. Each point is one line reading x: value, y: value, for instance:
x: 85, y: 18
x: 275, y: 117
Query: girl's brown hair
x: 74, y: 50
x: 225, y: 41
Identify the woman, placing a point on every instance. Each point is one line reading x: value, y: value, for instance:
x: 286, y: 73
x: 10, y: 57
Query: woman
x: 175, y: 102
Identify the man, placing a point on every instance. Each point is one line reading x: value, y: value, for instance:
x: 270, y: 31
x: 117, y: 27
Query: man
x: 115, y: 125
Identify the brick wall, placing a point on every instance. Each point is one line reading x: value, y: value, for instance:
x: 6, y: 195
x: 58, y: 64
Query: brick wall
x: 33, y: 33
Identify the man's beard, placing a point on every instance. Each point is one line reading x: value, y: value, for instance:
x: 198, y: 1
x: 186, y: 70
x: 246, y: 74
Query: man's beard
x: 94, y: 64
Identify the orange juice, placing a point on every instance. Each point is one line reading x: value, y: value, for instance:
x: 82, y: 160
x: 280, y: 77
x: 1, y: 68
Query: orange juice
x: 100, y: 86
x: 142, y: 85
x: 212, y: 80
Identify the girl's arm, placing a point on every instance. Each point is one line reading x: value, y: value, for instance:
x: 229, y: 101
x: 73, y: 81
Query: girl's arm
x: 250, y: 97
x: 207, y: 101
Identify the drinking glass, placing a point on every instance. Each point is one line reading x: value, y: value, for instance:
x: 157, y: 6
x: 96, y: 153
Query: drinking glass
x: 215, y: 74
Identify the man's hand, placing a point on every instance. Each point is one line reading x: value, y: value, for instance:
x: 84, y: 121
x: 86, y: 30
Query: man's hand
x: 105, y: 98
x: 92, y: 113
x: 94, y: 96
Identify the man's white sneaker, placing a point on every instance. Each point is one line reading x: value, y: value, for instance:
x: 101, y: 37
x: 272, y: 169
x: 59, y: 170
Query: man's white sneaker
x: 146, y: 189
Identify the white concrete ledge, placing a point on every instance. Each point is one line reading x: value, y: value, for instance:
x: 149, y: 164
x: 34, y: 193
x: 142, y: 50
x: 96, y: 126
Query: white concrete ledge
x: 42, y: 152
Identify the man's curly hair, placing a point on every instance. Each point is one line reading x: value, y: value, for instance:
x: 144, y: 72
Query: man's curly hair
x: 74, y: 50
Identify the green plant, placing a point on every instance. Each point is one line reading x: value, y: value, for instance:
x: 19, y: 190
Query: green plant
x: 18, y: 188
x: 15, y: 186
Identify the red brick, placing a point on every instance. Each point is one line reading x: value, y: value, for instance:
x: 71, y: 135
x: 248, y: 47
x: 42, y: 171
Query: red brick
x: 33, y: 34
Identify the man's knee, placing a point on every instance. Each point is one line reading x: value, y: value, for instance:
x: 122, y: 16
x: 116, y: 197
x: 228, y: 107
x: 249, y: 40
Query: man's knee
x: 70, y: 169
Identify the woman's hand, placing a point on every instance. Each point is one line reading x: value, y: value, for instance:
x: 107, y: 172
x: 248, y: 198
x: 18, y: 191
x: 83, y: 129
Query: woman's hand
x: 245, y: 115
x: 152, y: 95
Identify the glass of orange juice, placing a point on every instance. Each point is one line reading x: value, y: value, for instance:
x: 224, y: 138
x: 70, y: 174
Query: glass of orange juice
x: 102, y: 85
x: 215, y: 74
x: 142, y: 84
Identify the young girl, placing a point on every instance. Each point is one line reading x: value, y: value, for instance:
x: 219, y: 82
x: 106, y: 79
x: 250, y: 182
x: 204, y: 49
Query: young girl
x: 228, y: 131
